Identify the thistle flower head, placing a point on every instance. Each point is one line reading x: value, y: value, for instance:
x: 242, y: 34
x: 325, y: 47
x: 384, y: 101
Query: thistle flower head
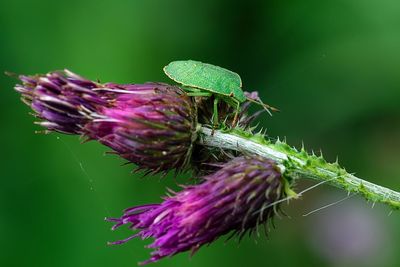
x: 235, y: 199
x: 151, y: 125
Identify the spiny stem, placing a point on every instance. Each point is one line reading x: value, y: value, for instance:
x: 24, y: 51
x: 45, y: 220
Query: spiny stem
x: 298, y: 164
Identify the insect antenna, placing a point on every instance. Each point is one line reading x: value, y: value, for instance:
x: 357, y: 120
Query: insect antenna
x: 267, y: 107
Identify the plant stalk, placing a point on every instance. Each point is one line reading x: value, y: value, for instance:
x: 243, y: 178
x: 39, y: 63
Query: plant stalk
x: 298, y: 164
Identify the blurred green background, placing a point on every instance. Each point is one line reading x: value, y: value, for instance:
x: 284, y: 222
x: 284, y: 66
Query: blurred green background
x: 332, y: 67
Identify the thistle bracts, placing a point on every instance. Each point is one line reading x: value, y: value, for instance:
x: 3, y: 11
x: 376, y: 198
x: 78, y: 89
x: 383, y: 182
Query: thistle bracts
x: 205, y: 158
x: 151, y: 125
x: 236, y: 199
x: 226, y: 112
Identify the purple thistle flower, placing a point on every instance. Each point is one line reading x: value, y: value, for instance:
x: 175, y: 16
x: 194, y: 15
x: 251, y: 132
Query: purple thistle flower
x: 151, y: 125
x: 235, y: 199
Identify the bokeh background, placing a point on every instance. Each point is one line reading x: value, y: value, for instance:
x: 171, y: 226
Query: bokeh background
x: 332, y: 67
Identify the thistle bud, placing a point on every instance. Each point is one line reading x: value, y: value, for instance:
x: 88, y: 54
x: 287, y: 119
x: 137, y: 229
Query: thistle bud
x: 235, y: 199
x: 151, y: 125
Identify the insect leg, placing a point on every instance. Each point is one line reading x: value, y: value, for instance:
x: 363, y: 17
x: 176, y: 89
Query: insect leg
x: 215, y: 114
x: 199, y: 94
x: 196, y: 92
x: 190, y: 89
x: 235, y: 118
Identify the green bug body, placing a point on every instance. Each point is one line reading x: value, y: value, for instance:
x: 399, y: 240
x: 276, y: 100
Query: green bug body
x: 206, y: 77
x: 202, y: 79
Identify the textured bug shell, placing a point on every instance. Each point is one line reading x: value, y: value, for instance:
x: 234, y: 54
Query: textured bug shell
x: 206, y: 77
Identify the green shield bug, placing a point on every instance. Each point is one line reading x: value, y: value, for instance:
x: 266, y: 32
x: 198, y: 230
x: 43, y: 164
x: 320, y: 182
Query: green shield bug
x: 202, y: 79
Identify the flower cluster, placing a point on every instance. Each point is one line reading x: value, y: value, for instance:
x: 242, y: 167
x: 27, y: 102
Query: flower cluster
x: 151, y: 125
x: 235, y: 199
x: 154, y: 126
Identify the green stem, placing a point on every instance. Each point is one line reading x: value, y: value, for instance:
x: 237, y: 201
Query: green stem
x: 298, y: 164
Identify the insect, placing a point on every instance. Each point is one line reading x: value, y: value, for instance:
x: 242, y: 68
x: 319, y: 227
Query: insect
x: 202, y: 79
